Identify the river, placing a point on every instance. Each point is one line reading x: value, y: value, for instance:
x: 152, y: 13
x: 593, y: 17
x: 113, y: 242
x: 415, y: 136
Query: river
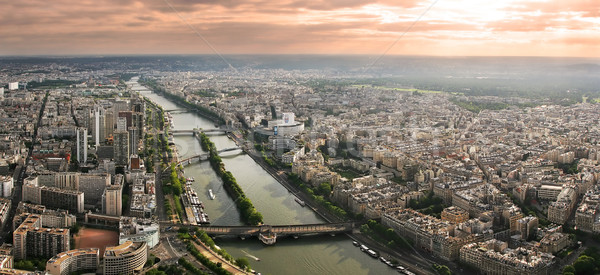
x: 306, y: 255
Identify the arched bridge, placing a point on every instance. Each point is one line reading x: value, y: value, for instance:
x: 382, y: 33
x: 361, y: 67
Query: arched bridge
x: 202, y: 157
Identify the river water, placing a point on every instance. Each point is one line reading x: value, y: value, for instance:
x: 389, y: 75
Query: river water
x: 306, y: 255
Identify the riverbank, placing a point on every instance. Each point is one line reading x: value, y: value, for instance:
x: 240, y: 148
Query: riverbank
x: 205, y: 112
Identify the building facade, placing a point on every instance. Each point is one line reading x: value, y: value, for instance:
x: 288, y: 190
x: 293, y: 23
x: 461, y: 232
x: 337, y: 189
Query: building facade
x: 112, y: 200
x: 126, y: 258
x: 72, y: 261
x: 493, y: 257
x: 454, y: 214
x: 121, y: 148
x: 31, y: 240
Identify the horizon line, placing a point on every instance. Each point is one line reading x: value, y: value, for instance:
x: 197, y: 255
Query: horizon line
x: 283, y: 54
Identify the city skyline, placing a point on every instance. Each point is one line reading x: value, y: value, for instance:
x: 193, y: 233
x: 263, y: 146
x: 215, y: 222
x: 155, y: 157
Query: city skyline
x: 441, y: 28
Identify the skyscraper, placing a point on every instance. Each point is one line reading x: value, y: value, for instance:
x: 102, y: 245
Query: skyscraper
x: 109, y: 124
x: 134, y: 137
x: 99, y: 127
x: 121, y: 148
x: 82, y: 145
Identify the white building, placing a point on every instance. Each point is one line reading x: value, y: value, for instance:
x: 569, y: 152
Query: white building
x: 139, y: 230
x: 288, y: 119
x: 13, y: 86
x: 99, y: 126
x: 7, y: 186
x: 122, y: 124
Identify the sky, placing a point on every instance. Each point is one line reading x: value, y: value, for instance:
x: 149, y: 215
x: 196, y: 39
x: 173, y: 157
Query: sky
x: 439, y: 27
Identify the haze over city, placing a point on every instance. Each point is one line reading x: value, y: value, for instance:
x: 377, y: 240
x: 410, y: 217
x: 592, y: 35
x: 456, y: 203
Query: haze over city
x: 300, y: 137
x: 442, y: 28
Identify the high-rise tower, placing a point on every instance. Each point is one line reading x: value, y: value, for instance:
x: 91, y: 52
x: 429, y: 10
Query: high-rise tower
x: 82, y: 145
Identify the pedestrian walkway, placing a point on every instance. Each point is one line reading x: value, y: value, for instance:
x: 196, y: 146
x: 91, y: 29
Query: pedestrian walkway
x: 216, y: 258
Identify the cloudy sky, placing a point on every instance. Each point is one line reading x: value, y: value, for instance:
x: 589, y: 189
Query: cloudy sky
x: 449, y: 28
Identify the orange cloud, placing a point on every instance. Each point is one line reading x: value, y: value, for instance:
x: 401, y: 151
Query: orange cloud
x: 587, y: 8
x: 460, y: 27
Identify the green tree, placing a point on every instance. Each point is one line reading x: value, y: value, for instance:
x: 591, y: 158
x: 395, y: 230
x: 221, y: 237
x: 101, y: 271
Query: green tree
x: 569, y: 269
x: 25, y: 265
x: 584, y: 265
x: 325, y: 189
x: 442, y: 269
x: 364, y: 228
x: 255, y: 218
x: 242, y: 263
x: 149, y: 262
x: 75, y: 228
x: 155, y: 271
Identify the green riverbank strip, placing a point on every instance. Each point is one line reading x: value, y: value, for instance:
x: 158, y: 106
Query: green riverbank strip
x: 248, y: 213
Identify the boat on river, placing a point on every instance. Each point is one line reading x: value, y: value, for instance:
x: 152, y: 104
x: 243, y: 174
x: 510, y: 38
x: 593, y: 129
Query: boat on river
x: 210, y: 194
x: 194, y: 208
x: 300, y: 202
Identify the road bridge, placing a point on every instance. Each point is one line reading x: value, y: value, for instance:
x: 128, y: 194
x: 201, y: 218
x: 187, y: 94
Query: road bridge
x: 176, y: 110
x: 204, y: 156
x: 275, y: 230
x: 195, y: 132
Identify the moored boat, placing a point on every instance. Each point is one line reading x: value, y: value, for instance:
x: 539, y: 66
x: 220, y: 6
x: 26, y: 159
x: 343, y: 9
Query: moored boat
x: 299, y: 201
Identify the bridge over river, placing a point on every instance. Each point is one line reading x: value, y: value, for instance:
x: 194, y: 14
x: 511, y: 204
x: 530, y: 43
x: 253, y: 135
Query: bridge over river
x: 269, y: 233
x: 202, y: 157
x: 195, y: 132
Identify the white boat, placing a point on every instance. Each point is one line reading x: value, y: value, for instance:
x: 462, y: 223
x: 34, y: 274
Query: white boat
x: 299, y: 201
x: 372, y: 253
x: 210, y: 194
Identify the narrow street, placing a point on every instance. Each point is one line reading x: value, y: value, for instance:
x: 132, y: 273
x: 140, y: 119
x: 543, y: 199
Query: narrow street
x: 216, y: 258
